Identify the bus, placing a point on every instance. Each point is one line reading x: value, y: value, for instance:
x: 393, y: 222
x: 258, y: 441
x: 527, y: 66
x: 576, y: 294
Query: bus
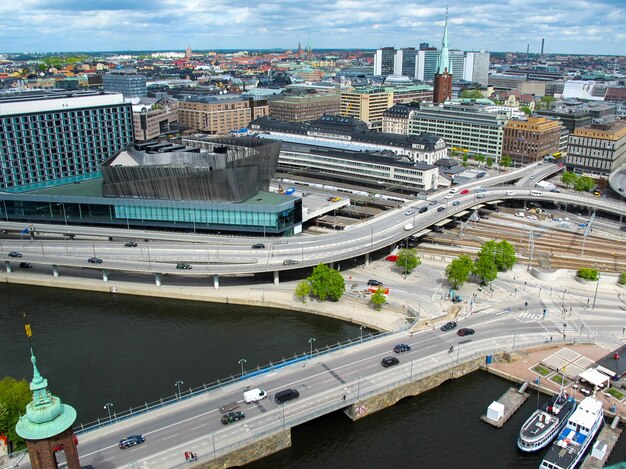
x: 557, y: 155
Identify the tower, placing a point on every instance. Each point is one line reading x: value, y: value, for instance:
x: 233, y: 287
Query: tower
x: 443, y: 77
x: 47, y: 425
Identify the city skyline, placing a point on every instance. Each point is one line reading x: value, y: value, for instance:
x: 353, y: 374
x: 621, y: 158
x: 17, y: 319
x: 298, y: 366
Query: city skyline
x: 109, y: 25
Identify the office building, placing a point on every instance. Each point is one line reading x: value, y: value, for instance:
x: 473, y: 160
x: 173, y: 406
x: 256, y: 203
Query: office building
x: 405, y: 94
x: 396, y: 119
x: 443, y: 78
x: 153, y: 118
x: 50, y: 138
x: 457, y: 63
x: 367, y: 105
x: 476, y: 67
x: 406, y: 62
x: 578, y: 114
x: 303, y: 108
x: 469, y: 127
x: 597, y: 149
x: 528, y: 141
x: 125, y: 81
x: 219, y: 116
x: 426, y: 65
x: 384, y: 61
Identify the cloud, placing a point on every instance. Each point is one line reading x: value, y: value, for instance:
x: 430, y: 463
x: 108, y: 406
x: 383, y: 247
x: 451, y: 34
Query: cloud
x: 568, y: 26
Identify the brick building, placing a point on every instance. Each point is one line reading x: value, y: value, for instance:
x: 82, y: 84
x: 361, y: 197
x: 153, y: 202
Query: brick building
x: 303, y: 108
x: 151, y: 121
x: 218, y: 116
x: 529, y: 141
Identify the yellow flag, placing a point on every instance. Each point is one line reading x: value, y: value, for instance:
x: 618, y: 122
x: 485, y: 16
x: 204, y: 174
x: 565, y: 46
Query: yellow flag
x: 29, y: 333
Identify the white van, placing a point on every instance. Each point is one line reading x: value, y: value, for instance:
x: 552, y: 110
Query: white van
x: 254, y: 395
x: 536, y: 193
x: 408, y: 226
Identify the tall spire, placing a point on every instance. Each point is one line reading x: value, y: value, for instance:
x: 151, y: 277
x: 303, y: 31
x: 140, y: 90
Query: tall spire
x: 444, y: 56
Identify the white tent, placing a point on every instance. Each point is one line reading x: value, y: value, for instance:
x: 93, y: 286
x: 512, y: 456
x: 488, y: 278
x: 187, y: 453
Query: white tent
x: 495, y: 411
x: 593, y: 376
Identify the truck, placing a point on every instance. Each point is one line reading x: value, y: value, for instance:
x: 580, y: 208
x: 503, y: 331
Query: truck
x: 254, y: 395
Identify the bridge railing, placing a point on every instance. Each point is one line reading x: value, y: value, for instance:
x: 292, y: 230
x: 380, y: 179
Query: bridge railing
x: 192, y: 392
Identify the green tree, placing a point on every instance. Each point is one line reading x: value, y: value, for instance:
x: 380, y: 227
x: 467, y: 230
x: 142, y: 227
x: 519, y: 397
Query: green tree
x: 622, y: 278
x: 480, y: 158
x: 485, y: 268
x: 14, y: 395
x: 303, y: 289
x: 465, y: 158
x: 587, y: 274
x: 568, y: 178
x: 489, y: 162
x: 326, y: 283
x: 505, y: 255
x: 471, y: 94
x: 546, y: 102
x: 459, y: 270
x: 506, y: 161
x: 584, y: 184
x: 526, y: 110
x: 378, y: 299
x: 408, y: 260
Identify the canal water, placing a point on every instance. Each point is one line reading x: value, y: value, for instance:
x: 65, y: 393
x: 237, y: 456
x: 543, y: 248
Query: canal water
x: 101, y: 348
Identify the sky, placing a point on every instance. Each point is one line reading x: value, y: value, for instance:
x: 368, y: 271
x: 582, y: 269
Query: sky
x: 568, y: 26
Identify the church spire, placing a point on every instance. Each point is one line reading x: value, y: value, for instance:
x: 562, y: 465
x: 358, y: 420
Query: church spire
x: 444, y: 56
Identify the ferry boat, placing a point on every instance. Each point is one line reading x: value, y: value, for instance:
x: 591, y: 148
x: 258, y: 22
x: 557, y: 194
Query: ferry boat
x: 571, y: 444
x: 546, y: 422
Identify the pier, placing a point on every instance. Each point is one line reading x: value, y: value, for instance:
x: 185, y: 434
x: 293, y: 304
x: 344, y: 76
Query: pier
x: 608, y: 436
x: 511, y: 400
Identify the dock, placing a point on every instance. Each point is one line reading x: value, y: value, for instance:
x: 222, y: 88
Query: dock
x: 510, y: 401
x: 609, y: 437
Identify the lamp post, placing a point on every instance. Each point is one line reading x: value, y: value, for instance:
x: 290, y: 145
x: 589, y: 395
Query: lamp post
x: 514, y: 337
x: 108, y: 406
x: 361, y: 332
x: 311, y: 340
x: 64, y: 214
x: 194, y: 220
x: 595, y: 294
x: 177, y: 384
x: 213, y: 438
x: 241, y: 362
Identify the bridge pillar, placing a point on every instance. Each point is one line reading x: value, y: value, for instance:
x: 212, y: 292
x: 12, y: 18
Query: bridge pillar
x: 367, y: 258
x: 276, y: 278
x: 55, y: 270
x: 216, y: 281
x: 158, y: 278
x: 332, y: 265
x: 105, y: 275
x: 8, y: 267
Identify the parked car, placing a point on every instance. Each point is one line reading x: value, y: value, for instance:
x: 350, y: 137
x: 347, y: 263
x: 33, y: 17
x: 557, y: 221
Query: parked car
x: 448, y: 326
x: 423, y: 209
x: 441, y: 209
x: 94, y: 260
x: 26, y: 265
x: 389, y: 361
x: 290, y: 262
x: 258, y: 246
x: 409, y: 212
x: 456, y: 203
x: 15, y: 254
x: 183, y: 266
x: 131, y: 441
x: 130, y: 244
x: 465, y: 331
x: 401, y: 348
x: 231, y: 417
x: 374, y: 283
x: 465, y: 191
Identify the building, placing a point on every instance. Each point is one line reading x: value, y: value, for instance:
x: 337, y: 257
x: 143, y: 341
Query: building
x: 426, y: 66
x: 219, y: 116
x: 469, y: 127
x: 443, y: 78
x: 396, y: 119
x: 303, y: 108
x: 476, y: 67
x: 156, y: 119
x: 405, y: 94
x: 367, y: 105
x: 503, y: 82
x: 530, y: 140
x: 125, y: 81
x: 457, y: 63
x: 384, y: 61
x: 598, y: 149
x: 406, y: 62
x: 51, y: 138
x: 577, y: 114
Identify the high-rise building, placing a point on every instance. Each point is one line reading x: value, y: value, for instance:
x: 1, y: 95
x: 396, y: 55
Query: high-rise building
x: 49, y: 138
x: 426, y: 64
x: 443, y: 78
x: 406, y: 62
x: 530, y: 140
x: 188, y: 53
x: 367, y: 105
x: 598, y: 149
x: 126, y: 81
x: 476, y: 67
x: 457, y: 63
x: 384, y: 61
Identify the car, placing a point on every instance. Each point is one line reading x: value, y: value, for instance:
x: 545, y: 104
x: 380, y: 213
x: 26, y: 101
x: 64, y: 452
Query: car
x: 556, y: 189
x: 94, y: 260
x: 448, y: 326
x: 183, y: 266
x: 465, y: 191
x: 231, y: 417
x: 130, y: 244
x: 531, y: 177
x: 532, y: 217
x: 481, y: 195
x: 286, y: 395
x: 401, y: 348
x: 621, y: 189
x: 423, y: 210
x: 465, y: 331
x: 520, y: 214
x: 26, y: 265
x: 433, y: 202
x: 290, y: 262
x: 456, y: 203
x: 454, y: 190
x: 441, y: 209
x: 15, y: 254
x: 448, y: 196
x: 374, y: 283
x: 131, y: 441
x: 409, y: 212
x: 258, y: 246
x: 389, y: 361
x: 408, y: 226
x: 510, y: 193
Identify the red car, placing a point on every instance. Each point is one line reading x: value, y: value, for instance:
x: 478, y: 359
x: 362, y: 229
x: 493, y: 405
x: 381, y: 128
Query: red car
x: 465, y: 191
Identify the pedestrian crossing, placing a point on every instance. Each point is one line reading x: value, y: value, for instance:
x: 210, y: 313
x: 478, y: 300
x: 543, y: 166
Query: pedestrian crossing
x: 530, y: 316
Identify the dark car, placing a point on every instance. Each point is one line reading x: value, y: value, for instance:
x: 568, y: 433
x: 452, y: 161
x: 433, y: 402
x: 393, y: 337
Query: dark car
x: 15, y: 254
x: 231, y: 417
x: 130, y: 244
x: 374, y: 283
x: 401, y: 348
x: 131, y: 441
x: 94, y: 260
x: 183, y: 266
x: 456, y: 203
x: 448, y: 326
x: 286, y: 395
x: 290, y: 262
x: 465, y: 331
x: 389, y: 361
x: 441, y: 209
x: 258, y: 246
x: 26, y: 265
x: 423, y: 209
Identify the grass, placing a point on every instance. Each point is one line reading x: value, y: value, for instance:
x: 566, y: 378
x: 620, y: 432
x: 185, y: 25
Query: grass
x: 543, y: 371
x: 616, y: 394
x: 558, y: 379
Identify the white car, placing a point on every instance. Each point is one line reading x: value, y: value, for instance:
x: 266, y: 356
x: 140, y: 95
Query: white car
x: 510, y: 193
x: 454, y: 190
x: 448, y: 196
x: 532, y: 217
x: 520, y: 214
x: 408, y: 226
x: 409, y: 212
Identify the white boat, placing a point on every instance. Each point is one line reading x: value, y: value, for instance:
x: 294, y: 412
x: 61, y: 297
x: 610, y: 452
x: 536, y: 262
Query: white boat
x: 571, y: 444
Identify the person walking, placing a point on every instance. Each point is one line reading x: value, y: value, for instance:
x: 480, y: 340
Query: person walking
x: 186, y: 455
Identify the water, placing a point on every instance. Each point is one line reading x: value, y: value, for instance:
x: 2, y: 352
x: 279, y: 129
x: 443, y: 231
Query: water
x: 99, y: 348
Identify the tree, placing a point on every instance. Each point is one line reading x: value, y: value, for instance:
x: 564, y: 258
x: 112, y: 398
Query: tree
x: 526, y: 110
x: 546, y: 102
x: 584, y: 184
x: 407, y: 260
x: 378, y: 299
x: 568, y: 178
x: 480, y: 158
x: 506, y: 161
x: 622, y: 278
x: 587, y: 274
x: 485, y: 268
x: 326, y: 283
x: 303, y: 289
x: 459, y: 270
x: 505, y: 255
x: 14, y: 396
x: 465, y: 158
x: 489, y: 162
x: 471, y: 94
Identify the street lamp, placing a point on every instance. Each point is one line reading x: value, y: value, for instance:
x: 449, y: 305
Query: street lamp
x: 194, y: 220
x: 241, y: 362
x: 177, y: 384
x: 64, y: 214
x: 108, y: 406
x: 593, y: 306
x: 361, y: 331
x: 311, y: 340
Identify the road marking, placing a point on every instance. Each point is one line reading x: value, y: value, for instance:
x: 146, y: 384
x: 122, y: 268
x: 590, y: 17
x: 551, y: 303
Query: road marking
x: 168, y: 437
x: 200, y: 426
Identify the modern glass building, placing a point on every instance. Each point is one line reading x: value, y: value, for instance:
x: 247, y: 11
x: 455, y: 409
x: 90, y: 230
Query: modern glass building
x: 125, y: 81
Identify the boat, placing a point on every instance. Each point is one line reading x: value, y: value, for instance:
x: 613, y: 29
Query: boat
x: 546, y: 422
x: 570, y: 446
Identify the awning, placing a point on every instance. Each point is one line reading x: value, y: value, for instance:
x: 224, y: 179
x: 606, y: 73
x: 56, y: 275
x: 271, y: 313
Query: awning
x: 594, y: 377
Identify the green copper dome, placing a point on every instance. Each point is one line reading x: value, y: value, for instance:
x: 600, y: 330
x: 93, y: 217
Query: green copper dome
x: 46, y: 415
